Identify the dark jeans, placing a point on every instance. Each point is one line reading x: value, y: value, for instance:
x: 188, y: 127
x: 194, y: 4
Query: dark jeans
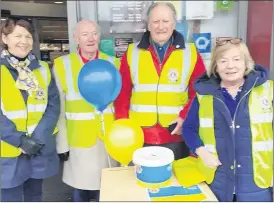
x: 29, y: 191
x: 86, y: 195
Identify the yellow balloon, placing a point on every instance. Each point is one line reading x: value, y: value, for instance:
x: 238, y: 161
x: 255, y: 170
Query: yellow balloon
x: 123, y: 139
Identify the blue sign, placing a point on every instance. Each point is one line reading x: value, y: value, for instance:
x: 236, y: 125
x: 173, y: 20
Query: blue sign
x: 202, y: 42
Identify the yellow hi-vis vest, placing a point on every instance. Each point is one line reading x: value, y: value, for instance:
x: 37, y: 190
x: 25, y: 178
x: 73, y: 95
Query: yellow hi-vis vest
x: 13, y: 106
x: 159, y: 98
x: 261, y: 117
x: 83, y: 122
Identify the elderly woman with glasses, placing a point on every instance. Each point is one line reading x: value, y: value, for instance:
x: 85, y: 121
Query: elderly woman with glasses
x: 229, y: 125
x: 29, y: 113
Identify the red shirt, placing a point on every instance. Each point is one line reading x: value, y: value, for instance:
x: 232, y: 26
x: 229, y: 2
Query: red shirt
x: 154, y: 134
x: 84, y: 59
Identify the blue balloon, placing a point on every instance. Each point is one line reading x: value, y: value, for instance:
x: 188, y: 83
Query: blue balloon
x: 99, y: 83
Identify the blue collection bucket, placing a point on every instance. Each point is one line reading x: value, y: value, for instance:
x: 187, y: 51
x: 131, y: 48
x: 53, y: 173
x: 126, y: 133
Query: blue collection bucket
x: 153, y: 166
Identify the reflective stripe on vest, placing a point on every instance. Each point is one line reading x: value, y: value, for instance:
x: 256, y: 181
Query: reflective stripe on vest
x: 261, y: 118
x: 83, y: 121
x: 25, y: 118
x: 158, y: 92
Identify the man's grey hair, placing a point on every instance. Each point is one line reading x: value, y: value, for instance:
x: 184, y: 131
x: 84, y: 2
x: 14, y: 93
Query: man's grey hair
x: 98, y: 28
x: 168, y: 4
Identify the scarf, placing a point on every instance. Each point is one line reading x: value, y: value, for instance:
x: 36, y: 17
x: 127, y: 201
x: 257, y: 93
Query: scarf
x: 26, y: 80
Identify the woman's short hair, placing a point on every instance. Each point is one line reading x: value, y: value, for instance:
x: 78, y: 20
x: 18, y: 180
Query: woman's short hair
x: 8, y: 27
x: 218, y: 51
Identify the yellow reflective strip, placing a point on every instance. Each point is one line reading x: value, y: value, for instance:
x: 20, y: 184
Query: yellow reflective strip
x: 186, y: 65
x: 108, y: 110
x: 206, y: 122
x: 36, y: 107
x: 44, y: 73
x: 73, y: 96
x: 80, y: 116
x: 31, y: 128
x: 263, y: 146
x: 154, y: 108
x: 135, y: 63
x: 261, y: 118
x: 159, y: 88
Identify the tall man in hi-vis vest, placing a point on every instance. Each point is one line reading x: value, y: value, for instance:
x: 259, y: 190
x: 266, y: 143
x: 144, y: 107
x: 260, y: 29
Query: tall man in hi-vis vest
x: 157, y: 74
x: 79, y: 141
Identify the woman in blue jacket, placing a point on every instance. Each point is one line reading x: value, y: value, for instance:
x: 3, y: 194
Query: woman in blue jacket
x: 30, y: 108
x: 229, y: 125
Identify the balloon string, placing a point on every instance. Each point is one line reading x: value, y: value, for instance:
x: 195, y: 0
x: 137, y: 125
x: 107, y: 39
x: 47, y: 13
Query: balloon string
x: 103, y: 132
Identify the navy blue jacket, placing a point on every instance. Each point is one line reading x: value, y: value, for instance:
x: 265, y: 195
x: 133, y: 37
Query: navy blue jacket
x: 230, y: 147
x: 16, y: 170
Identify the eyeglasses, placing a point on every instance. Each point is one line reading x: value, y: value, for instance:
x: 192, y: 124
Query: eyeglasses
x: 220, y: 41
x: 15, y: 19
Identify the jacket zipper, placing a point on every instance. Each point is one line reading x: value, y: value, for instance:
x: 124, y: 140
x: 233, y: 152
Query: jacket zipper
x: 160, y: 65
x: 233, y: 124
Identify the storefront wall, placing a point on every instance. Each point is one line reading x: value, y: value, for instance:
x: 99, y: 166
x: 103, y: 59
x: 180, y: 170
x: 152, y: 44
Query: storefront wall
x: 240, y: 19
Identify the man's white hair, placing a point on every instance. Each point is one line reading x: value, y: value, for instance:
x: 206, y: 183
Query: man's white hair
x: 168, y: 4
x: 98, y: 28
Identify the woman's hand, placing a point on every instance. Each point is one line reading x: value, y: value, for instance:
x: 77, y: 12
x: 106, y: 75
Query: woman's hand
x: 208, y: 158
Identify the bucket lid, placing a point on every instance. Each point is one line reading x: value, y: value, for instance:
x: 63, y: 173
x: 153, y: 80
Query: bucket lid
x: 153, y: 156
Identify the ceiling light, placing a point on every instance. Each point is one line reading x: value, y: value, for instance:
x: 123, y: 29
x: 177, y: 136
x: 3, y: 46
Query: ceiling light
x: 58, y: 2
x: 3, y: 19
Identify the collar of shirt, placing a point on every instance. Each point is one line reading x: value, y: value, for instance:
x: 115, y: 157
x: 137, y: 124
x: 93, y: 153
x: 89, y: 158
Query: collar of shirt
x: 84, y: 59
x: 161, y: 48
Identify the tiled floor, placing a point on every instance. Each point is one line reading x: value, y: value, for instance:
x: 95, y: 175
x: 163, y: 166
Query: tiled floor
x: 55, y: 190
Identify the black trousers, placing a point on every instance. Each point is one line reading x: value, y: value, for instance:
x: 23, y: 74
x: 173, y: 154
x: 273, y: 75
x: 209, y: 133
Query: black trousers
x: 234, y: 198
x: 179, y: 149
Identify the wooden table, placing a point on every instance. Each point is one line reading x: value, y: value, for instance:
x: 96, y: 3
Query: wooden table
x: 119, y: 184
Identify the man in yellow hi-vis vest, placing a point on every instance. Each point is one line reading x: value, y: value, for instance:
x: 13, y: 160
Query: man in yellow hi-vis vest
x: 157, y: 76
x: 79, y: 141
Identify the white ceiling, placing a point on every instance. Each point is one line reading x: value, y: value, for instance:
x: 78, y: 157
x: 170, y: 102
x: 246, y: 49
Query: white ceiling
x: 39, y: 1
x: 49, y: 29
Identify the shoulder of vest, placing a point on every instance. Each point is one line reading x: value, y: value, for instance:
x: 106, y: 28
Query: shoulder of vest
x: 200, y: 96
x: 133, y: 46
x: 65, y: 56
x: 189, y: 45
x: 267, y: 85
x: 114, y: 59
x: 102, y: 54
x: 4, y: 68
x: 43, y: 63
x: 270, y: 82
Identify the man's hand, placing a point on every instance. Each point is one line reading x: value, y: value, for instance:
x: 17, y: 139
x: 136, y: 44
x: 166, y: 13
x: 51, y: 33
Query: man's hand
x: 208, y: 158
x: 178, y: 128
x: 64, y: 156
